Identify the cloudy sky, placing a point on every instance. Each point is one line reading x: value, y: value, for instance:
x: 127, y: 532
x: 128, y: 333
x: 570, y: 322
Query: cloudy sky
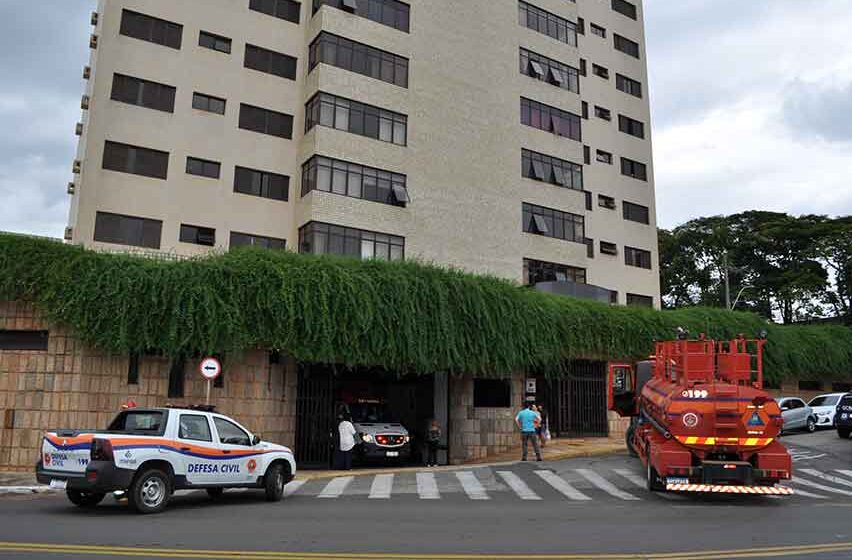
x: 752, y: 104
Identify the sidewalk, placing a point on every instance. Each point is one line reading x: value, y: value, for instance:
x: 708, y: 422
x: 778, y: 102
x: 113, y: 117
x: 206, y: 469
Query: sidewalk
x: 557, y: 449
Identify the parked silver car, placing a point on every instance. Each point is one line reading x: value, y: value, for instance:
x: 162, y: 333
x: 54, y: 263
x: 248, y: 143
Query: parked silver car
x: 797, y: 415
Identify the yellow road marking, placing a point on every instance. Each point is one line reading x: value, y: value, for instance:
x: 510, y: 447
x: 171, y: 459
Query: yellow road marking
x: 96, y: 550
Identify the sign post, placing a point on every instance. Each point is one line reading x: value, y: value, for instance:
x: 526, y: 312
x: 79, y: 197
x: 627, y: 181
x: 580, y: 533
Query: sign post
x: 210, y: 369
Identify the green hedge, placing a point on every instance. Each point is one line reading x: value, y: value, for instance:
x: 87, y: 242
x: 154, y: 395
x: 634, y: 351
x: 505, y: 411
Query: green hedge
x: 404, y: 316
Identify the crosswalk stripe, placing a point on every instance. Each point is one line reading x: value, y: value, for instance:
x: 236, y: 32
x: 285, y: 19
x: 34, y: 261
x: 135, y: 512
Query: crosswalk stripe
x: 640, y: 482
x: 561, y: 486
x: 800, y: 492
x: 293, y: 487
x: 827, y: 477
x: 811, y: 484
x: 427, y: 487
x: 845, y: 473
x: 336, y: 487
x: 520, y: 487
x: 381, y: 488
x: 471, y: 485
x: 605, y: 485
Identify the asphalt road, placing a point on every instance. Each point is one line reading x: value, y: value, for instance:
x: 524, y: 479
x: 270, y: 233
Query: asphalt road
x: 578, y: 508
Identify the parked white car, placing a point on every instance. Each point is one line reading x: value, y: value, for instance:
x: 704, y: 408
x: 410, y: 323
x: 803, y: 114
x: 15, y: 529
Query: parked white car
x: 824, y: 407
x: 797, y: 415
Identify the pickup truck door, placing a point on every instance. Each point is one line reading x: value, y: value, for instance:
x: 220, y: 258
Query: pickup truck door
x: 239, y: 464
x: 198, y: 450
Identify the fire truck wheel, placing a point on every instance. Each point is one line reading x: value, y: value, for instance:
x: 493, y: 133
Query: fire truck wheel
x: 811, y: 427
x: 628, y: 439
x: 843, y: 433
x: 653, y: 478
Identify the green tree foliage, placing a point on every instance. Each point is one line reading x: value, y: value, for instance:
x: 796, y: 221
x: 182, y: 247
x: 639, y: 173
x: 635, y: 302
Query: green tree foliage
x: 404, y: 316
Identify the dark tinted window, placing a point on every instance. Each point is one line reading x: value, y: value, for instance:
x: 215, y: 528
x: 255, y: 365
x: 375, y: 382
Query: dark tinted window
x: 550, y: 71
x: 266, y: 121
x: 551, y: 170
x: 357, y: 57
x: 608, y: 248
x: 148, y: 28
x: 542, y: 271
x: 139, y: 421
x: 636, y: 213
x: 553, y: 223
x: 261, y: 183
x: 625, y: 45
x: 198, y: 235
x: 387, y: 12
x: 144, y: 93
x: 624, y: 8
x: 492, y: 393
x: 631, y: 126
x: 637, y: 257
x: 214, y: 42
x: 136, y: 160
x: 600, y: 71
x: 203, y: 167
x: 283, y: 9
x: 195, y: 427
x: 127, y: 230
x: 628, y: 85
x: 355, y: 117
x: 351, y: 179
x: 208, y: 103
x: 319, y: 238
x: 547, y: 23
x: 634, y: 169
x: 249, y: 240
x: 270, y: 62
x: 23, y: 340
x: 544, y: 117
x: 640, y: 301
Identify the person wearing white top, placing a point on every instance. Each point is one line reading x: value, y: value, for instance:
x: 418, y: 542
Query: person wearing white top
x: 347, y: 442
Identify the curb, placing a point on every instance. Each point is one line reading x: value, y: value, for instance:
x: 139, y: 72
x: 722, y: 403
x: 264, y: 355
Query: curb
x: 23, y: 490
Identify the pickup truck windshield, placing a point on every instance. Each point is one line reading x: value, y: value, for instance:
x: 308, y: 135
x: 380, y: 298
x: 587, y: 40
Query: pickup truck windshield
x: 146, y: 422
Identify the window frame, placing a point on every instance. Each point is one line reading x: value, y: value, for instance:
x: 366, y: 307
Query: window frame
x: 163, y: 98
x: 551, y: 119
x: 216, y: 40
x: 136, y: 160
x: 631, y: 126
x: 570, y: 76
x: 273, y: 8
x: 208, y: 169
x: 551, y: 272
x: 193, y: 234
x: 207, y: 99
x: 634, y: 169
x: 352, y: 242
x: 358, y: 181
x: 251, y: 115
x: 141, y: 224
x: 194, y: 416
x: 628, y: 85
x: 547, y: 23
x: 268, y: 61
x: 571, y: 173
x: 627, y: 46
x: 262, y: 183
x: 555, y: 223
x: 638, y: 258
x: 265, y: 242
x: 360, y: 118
x: 340, y: 52
x: 375, y: 11
x: 630, y: 209
x: 171, y: 34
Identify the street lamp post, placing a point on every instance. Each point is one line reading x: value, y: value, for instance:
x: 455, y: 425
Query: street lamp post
x: 744, y: 288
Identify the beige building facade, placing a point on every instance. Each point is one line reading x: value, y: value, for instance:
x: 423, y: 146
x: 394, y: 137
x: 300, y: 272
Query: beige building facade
x: 502, y: 137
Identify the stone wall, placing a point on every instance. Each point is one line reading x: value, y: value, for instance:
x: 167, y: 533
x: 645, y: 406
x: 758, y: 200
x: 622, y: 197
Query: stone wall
x: 73, y: 386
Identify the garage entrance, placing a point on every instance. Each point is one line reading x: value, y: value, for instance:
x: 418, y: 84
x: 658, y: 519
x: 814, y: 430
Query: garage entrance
x: 373, y: 397
x: 576, y: 402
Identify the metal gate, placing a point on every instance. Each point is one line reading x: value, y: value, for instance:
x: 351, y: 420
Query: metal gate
x: 577, y: 401
x: 314, y: 417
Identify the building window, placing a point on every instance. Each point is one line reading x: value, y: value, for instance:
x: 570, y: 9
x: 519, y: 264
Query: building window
x: 542, y: 271
x: 625, y: 45
x: 208, y: 103
x: 387, y: 12
x: 197, y: 235
x: 350, y: 179
x: 637, y: 257
x: 203, y: 167
x: 214, y: 42
x: 492, y: 393
x: 582, y: 66
x: 176, y: 378
x: 628, y: 85
x: 127, y: 230
x: 587, y: 155
x: 261, y: 183
x: 624, y: 8
x: 359, y: 58
x: 135, y: 160
x: 603, y: 157
x: 355, y: 117
x: 634, y: 169
x: 319, y: 238
x: 270, y: 62
x: 282, y: 9
x: 608, y: 248
x: 640, y: 301
x: 544, y: 117
x: 151, y: 29
x: 597, y: 30
x: 551, y: 170
x: 266, y: 121
x: 631, y: 126
x: 600, y: 71
x: 548, y: 222
x: 24, y: 340
x: 603, y: 113
x: 143, y: 93
x: 550, y: 71
x: 249, y: 240
x: 549, y: 24
x: 607, y: 202
x: 636, y: 213
x: 133, y: 369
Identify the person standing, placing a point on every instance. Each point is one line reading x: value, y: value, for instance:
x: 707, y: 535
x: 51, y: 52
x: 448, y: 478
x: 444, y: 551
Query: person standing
x: 526, y: 421
x: 347, y: 442
x: 433, y: 440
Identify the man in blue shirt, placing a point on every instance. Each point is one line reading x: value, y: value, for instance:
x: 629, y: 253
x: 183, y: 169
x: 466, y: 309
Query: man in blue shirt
x: 526, y: 421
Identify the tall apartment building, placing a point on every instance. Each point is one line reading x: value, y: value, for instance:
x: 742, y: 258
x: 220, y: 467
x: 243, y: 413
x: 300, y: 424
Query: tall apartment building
x: 509, y: 137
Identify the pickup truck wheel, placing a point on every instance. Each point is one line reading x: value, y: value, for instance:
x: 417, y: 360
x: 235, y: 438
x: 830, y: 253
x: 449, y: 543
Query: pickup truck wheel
x: 274, y: 483
x: 843, y: 433
x: 150, y: 491
x: 215, y: 493
x: 84, y: 499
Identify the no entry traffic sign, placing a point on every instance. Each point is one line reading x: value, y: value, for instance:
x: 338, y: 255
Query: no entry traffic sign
x: 210, y: 368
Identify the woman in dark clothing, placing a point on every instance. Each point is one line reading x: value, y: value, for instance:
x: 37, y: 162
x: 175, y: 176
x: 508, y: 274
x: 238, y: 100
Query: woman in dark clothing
x: 433, y: 440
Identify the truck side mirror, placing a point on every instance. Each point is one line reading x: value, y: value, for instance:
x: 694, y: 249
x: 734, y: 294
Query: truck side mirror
x: 622, y: 389
x: 255, y: 439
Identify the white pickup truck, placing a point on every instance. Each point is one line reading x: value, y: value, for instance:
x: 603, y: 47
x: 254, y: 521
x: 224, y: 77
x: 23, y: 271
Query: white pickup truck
x: 150, y: 453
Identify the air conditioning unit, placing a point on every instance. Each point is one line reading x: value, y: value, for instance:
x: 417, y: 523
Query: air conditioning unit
x: 71, y: 188
x: 84, y: 103
x: 94, y: 18
x: 77, y: 166
x: 87, y: 72
x: 93, y: 42
x: 78, y: 130
x: 69, y: 233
